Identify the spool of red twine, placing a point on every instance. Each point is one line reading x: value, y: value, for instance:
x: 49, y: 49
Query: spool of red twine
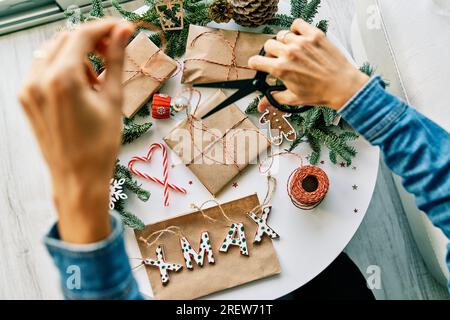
x: 161, y: 106
x: 307, y: 186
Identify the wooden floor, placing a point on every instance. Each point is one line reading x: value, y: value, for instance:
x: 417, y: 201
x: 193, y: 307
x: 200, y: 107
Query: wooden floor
x: 26, y: 211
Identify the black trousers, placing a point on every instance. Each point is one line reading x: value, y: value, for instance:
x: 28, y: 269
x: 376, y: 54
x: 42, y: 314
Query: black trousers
x: 341, y: 280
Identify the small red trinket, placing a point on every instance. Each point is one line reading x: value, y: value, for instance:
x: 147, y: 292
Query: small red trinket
x: 161, y: 106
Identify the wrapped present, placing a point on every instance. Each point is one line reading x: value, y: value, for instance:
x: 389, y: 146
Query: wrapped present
x: 218, y: 55
x: 172, y: 276
x: 145, y: 70
x: 219, y: 147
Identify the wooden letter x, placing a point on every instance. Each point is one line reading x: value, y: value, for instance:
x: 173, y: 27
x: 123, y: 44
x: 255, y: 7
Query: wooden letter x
x: 263, y: 228
x: 162, y: 265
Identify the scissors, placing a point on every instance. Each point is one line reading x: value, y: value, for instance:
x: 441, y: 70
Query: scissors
x: 248, y: 86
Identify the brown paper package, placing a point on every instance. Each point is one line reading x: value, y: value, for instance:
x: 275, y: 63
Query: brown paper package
x: 209, y: 54
x: 230, y: 268
x: 214, y: 172
x: 143, y: 53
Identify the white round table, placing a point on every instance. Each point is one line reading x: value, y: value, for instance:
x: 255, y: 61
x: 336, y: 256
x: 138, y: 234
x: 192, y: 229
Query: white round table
x: 309, y: 240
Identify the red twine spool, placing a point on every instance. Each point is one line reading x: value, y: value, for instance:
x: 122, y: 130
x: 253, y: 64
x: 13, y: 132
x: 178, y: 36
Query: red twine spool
x: 307, y: 186
x: 161, y: 106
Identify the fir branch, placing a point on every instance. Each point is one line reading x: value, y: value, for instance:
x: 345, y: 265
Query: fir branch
x: 314, y: 143
x: 253, y: 106
x: 328, y: 115
x: 349, y: 135
x: 144, y: 112
x: 176, y: 42
x: 132, y: 16
x: 297, y: 7
x: 322, y: 25
x: 367, y: 68
x: 333, y: 156
x: 281, y: 20
x: 310, y: 118
x: 268, y: 30
x: 156, y: 39
x: 127, y: 217
x: 96, y: 62
x: 310, y: 10
x: 122, y: 172
x: 97, y: 9
x: 133, y: 131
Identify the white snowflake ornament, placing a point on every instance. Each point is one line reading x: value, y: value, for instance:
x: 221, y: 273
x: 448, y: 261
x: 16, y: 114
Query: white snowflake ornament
x: 116, y: 192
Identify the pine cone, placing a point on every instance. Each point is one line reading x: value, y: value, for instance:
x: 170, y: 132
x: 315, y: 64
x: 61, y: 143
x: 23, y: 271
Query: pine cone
x: 221, y: 11
x: 253, y: 13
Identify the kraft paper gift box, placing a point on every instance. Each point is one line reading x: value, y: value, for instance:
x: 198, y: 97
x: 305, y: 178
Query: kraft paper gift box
x: 219, y: 55
x: 145, y: 70
x: 229, y: 269
x: 219, y: 147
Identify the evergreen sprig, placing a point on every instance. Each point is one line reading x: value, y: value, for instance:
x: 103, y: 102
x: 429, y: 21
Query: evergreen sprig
x: 133, y: 131
x: 97, y: 9
x: 309, y: 10
x: 194, y: 12
x: 132, y: 185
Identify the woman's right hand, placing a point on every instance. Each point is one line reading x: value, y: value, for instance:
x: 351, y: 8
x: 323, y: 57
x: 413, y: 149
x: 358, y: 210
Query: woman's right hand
x: 314, y: 71
x: 78, y: 127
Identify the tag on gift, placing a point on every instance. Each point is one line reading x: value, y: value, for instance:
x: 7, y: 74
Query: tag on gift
x: 202, y: 257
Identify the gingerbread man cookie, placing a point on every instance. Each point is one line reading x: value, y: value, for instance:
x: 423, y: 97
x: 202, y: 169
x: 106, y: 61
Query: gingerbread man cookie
x: 279, y: 126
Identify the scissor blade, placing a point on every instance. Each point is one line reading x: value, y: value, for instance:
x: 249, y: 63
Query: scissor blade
x: 234, y: 84
x: 233, y: 98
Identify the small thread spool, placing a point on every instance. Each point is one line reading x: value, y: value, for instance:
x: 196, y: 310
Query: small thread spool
x: 161, y: 106
x: 307, y: 187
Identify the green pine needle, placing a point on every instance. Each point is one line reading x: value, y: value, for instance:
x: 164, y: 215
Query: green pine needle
x: 310, y: 10
x: 133, y: 131
x: 125, y: 13
x: 144, y: 112
x: 268, y: 30
x: 122, y: 172
x: 128, y: 218
x: 323, y: 25
x: 367, y: 68
x: 333, y: 156
x: 297, y: 7
x: 97, y: 9
x: 328, y: 115
x: 253, y: 106
x: 96, y: 62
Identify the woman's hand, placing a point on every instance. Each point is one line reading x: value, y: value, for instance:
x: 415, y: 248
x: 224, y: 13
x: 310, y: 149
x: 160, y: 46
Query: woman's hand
x: 314, y: 71
x: 79, y: 128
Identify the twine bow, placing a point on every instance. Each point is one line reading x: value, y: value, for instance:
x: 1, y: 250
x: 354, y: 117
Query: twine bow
x: 144, y: 69
x: 231, y: 45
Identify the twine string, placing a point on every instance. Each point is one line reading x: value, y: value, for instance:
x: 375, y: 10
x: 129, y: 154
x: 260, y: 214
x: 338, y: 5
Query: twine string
x: 141, y: 69
x: 300, y: 197
x: 200, y: 209
x: 231, y: 45
x: 175, y: 230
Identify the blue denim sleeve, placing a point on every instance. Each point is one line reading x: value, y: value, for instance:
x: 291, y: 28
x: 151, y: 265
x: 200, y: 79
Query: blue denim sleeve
x: 94, y: 271
x: 414, y: 147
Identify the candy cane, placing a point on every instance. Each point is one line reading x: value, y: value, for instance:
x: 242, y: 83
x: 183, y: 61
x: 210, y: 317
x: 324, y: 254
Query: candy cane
x: 167, y: 185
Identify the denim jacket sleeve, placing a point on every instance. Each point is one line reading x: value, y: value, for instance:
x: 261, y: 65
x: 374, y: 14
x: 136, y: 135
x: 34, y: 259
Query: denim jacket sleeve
x: 414, y: 147
x: 94, y: 271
